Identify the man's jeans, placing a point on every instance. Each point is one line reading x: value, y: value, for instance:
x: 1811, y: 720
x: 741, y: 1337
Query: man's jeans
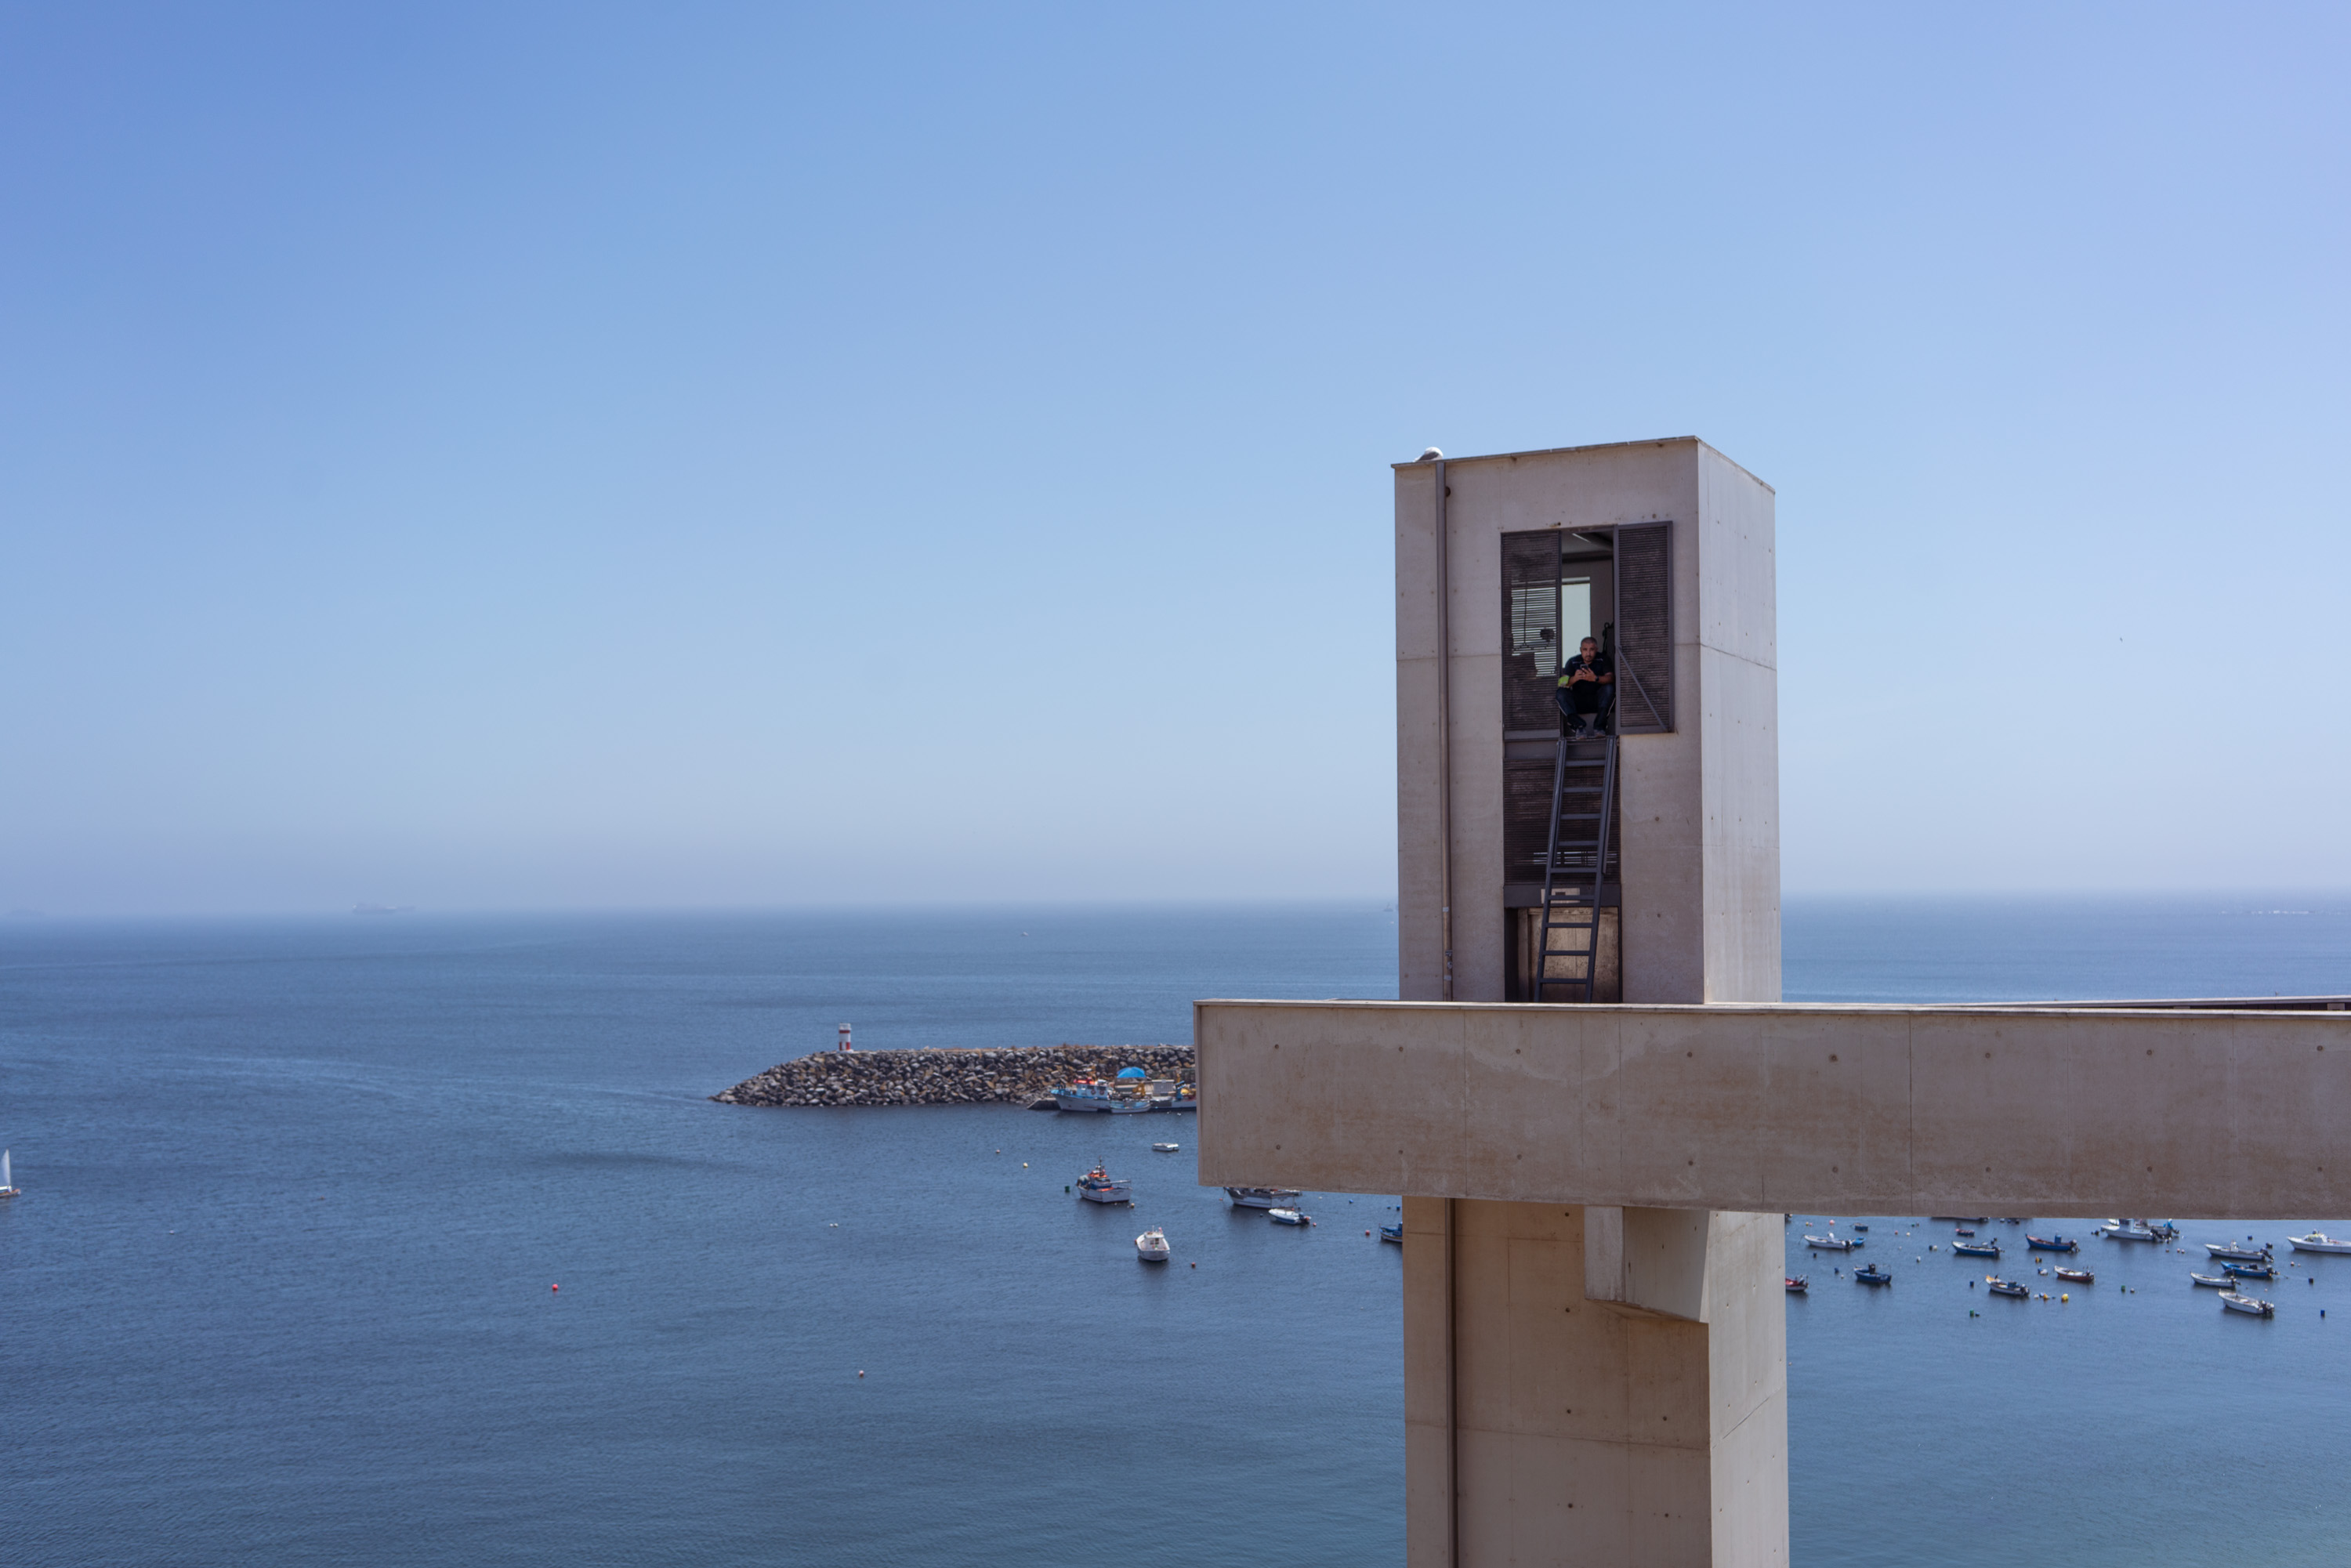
x: 1584, y: 703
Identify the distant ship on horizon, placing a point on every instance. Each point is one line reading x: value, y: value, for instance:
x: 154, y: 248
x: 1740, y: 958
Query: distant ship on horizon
x: 383, y: 909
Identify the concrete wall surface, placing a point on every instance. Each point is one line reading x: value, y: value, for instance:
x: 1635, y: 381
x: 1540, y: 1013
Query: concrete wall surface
x: 1853, y: 1109
x: 1584, y: 1431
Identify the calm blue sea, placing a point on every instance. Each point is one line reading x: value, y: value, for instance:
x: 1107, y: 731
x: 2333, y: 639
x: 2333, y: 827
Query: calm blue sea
x: 295, y: 1195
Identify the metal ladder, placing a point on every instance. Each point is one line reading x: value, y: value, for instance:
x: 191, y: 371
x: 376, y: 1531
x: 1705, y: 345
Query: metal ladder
x: 1571, y: 904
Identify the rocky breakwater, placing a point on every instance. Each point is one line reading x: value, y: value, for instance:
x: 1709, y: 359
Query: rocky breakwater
x: 1018, y: 1075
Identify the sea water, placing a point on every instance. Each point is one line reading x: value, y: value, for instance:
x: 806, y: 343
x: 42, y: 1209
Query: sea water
x: 298, y: 1197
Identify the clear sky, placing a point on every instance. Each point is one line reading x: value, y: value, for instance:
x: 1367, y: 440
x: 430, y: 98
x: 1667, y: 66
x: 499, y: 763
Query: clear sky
x: 561, y: 457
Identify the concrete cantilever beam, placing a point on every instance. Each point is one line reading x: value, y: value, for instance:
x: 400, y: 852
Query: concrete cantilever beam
x: 1856, y: 1110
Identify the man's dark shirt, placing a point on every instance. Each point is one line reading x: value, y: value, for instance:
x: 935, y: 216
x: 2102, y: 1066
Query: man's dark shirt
x: 1600, y: 664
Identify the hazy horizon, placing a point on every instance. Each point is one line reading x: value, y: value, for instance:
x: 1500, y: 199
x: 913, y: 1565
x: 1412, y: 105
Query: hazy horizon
x: 2224, y: 901
x: 553, y: 458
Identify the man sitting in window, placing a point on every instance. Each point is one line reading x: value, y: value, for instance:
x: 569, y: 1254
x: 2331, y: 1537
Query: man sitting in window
x: 1585, y: 687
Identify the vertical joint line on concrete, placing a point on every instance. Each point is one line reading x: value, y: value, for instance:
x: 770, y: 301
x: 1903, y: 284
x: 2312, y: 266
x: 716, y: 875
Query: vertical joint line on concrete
x: 1443, y: 737
x: 1452, y: 1393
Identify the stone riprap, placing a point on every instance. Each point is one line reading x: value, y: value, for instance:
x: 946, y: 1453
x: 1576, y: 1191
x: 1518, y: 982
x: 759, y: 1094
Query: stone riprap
x: 988, y: 1075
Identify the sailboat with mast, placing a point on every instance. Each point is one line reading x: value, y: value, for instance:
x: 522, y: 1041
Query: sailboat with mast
x: 7, y: 1182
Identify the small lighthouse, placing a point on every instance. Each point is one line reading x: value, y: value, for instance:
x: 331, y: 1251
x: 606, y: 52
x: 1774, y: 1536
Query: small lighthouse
x: 844, y: 1038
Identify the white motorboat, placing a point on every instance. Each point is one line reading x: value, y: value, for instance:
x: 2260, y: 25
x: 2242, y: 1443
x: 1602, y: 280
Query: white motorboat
x: 2316, y: 1241
x: 2129, y: 1230
x: 2235, y: 1253
x: 1263, y: 1196
x: 2214, y: 1281
x: 1152, y: 1246
x: 1831, y: 1243
x: 2253, y: 1306
x: 1164, y: 1148
x: 1288, y: 1217
x: 7, y: 1182
x: 1097, y: 1186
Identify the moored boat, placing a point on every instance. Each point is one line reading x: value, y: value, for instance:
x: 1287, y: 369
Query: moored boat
x: 2128, y: 1230
x: 1164, y: 1148
x: 2263, y: 1270
x: 1872, y: 1275
x: 2242, y: 1254
x: 2252, y: 1306
x: 1262, y: 1196
x: 2316, y: 1241
x: 1797, y: 1284
x: 2216, y: 1281
x: 2051, y: 1243
x: 1977, y: 1249
x: 1288, y: 1217
x: 1831, y: 1243
x: 1999, y: 1287
x: 2078, y: 1276
x: 1393, y: 1233
x: 1098, y: 1185
x: 1084, y: 1095
x: 1152, y: 1246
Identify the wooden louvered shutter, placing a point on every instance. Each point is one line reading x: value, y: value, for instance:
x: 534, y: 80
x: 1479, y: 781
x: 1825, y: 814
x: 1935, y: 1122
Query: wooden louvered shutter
x: 1644, y: 645
x: 1530, y: 631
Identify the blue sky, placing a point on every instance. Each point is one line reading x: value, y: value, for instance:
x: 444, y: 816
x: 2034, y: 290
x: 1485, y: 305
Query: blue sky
x: 492, y: 457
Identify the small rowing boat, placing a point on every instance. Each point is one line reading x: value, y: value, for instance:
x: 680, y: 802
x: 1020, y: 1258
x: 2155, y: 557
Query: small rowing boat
x: 2078, y: 1276
x: 1797, y: 1284
x: 2215, y: 1281
x: 1831, y: 1243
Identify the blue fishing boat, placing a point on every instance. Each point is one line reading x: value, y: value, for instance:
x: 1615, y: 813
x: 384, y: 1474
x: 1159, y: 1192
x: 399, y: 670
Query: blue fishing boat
x: 1392, y: 1233
x: 2262, y: 1270
x: 1872, y: 1275
x: 2051, y: 1243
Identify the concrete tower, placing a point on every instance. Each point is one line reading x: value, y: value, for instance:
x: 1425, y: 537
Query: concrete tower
x: 1595, y: 1359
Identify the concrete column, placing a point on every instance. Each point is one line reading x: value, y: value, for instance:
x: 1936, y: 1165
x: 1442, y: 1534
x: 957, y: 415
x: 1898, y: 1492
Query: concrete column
x: 1574, y: 1430
x: 1642, y: 1422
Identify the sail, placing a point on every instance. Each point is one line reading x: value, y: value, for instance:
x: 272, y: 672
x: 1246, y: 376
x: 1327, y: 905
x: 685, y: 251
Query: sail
x: 5, y: 1182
